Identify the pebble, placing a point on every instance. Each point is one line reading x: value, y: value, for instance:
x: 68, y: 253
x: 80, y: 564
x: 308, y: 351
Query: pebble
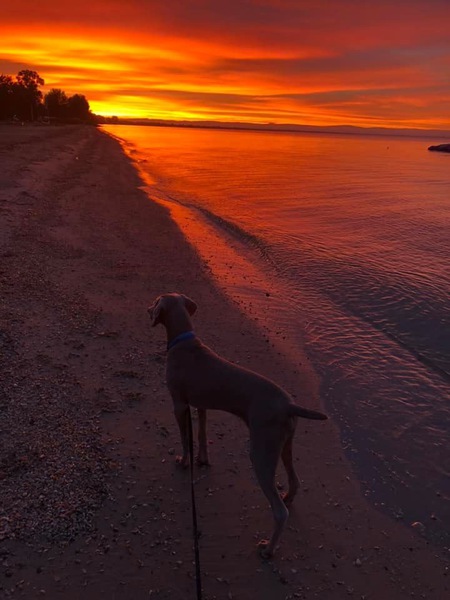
x: 418, y: 526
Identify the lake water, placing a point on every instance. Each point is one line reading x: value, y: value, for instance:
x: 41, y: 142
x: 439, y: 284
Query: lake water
x: 339, y: 245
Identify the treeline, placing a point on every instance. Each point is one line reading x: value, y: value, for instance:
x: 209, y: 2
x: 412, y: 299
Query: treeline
x: 22, y: 100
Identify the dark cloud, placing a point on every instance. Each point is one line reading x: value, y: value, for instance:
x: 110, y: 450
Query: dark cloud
x: 264, y: 59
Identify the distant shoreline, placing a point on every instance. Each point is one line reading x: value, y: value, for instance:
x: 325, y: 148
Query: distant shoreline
x: 333, y: 130
x: 259, y: 128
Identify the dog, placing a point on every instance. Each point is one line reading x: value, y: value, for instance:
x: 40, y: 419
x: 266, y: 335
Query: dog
x: 198, y: 377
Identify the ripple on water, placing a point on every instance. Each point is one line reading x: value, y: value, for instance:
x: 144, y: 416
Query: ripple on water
x: 352, y: 243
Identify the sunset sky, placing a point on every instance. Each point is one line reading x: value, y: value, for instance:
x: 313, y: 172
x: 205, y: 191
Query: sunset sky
x: 317, y: 62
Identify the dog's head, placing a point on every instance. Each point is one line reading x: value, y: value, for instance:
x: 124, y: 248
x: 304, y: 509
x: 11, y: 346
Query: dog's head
x: 162, y: 306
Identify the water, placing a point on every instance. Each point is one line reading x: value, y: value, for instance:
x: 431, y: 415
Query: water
x: 339, y: 245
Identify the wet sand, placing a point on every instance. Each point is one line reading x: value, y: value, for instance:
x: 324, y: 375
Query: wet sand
x: 92, y: 504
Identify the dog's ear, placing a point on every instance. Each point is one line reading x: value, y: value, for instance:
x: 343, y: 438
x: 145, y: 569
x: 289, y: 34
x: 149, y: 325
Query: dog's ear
x: 156, y: 311
x: 189, y: 304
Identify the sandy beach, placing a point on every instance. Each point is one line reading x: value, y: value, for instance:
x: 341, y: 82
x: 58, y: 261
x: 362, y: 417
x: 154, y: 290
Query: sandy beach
x: 91, y: 502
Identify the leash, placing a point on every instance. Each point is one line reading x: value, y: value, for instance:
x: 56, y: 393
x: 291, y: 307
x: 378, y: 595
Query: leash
x: 195, y: 531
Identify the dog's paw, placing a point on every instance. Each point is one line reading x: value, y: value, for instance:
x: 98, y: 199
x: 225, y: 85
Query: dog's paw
x: 263, y: 549
x: 182, y: 461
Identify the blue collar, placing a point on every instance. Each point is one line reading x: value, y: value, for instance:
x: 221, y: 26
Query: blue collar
x: 187, y: 335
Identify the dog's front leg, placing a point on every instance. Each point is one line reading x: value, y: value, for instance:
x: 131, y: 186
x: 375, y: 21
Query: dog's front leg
x: 181, y: 413
x: 202, y: 456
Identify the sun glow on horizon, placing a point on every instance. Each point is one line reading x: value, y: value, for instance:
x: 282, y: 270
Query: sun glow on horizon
x: 225, y: 67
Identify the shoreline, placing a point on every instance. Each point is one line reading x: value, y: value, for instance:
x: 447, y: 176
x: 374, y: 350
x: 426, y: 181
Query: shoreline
x: 84, y: 252
x: 346, y: 130
x: 246, y: 266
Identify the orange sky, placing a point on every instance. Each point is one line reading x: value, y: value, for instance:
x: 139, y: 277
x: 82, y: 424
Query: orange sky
x: 317, y: 62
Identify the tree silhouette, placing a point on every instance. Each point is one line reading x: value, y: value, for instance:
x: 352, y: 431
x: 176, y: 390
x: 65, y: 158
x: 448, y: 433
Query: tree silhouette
x: 6, y: 97
x: 78, y: 107
x: 56, y: 101
x: 29, y: 82
x: 21, y: 98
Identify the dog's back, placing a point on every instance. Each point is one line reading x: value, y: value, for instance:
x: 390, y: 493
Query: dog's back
x: 206, y: 380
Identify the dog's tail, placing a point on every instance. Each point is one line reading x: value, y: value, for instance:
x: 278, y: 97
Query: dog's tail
x: 305, y: 413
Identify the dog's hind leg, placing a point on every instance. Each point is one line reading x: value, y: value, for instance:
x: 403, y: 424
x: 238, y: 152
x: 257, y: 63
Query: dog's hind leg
x: 202, y: 456
x: 265, y: 451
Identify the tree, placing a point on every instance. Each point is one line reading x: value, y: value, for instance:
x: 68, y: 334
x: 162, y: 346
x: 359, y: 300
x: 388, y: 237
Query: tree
x: 6, y: 97
x: 56, y: 103
x: 28, y: 83
x: 21, y: 98
x: 78, y: 107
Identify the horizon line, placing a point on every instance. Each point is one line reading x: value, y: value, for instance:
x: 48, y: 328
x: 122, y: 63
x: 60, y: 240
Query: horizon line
x: 286, y: 127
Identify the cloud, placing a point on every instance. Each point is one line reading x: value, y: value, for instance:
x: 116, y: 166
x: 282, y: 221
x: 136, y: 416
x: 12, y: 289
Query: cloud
x: 284, y: 61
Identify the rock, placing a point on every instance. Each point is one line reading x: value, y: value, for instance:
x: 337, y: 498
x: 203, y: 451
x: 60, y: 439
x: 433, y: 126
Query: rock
x: 440, y: 148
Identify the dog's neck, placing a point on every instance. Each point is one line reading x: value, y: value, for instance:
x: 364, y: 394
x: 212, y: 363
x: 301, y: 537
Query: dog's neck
x: 178, y: 325
x: 183, y: 337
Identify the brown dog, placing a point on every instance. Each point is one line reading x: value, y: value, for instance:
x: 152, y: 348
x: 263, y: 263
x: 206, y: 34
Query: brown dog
x: 198, y: 377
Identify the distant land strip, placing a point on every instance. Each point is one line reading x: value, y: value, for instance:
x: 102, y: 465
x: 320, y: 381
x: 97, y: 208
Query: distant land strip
x: 290, y: 128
